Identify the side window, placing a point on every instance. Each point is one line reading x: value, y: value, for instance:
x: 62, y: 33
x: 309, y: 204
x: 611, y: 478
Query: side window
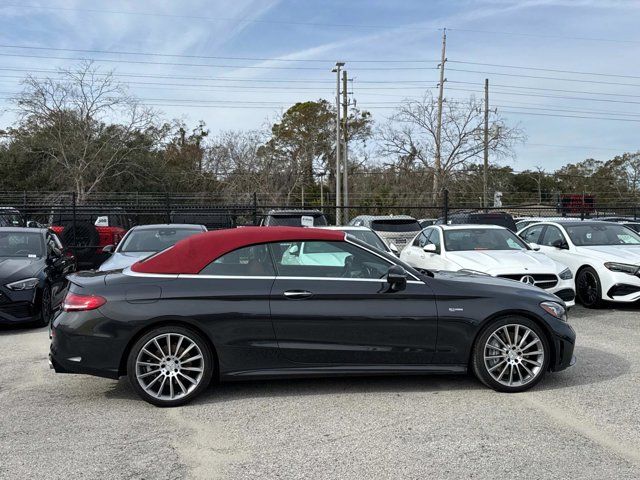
x: 253, y: 261
x: 551, y: 235
x: 435, y: 238
x: 532, y: 234
x: 326, y: 259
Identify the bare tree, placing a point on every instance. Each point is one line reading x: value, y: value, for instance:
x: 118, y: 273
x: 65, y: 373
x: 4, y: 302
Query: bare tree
x: 88, y: 124
x: 410, y: 135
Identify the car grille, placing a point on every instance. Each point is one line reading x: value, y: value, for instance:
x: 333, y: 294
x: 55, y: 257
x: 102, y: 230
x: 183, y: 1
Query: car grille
x: 542, y: 280
x: 17, y: 309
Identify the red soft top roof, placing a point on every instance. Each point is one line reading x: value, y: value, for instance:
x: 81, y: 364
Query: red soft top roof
x: 192, y: 254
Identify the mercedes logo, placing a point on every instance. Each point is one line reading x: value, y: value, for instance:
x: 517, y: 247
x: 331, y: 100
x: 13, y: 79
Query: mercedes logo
x: 528, y: 279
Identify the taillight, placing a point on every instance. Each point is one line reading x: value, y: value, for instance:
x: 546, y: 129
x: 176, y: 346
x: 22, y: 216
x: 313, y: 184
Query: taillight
x: 74, y: 302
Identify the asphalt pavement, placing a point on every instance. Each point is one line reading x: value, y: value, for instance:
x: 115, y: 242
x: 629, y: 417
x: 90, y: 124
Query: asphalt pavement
x: 583, y: 423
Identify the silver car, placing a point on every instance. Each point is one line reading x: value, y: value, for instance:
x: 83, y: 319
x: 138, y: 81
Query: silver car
x: 393, y: 229
x: 145, y: 240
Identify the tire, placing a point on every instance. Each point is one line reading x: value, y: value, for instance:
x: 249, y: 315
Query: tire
x: 46, y: 308
x: 176, y: 380
x: 504, y: 371
x: 589, y: 288
x: 83, y: 235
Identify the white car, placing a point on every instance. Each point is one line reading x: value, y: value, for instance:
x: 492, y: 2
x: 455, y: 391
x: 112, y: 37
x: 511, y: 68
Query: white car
x: 367, y: 236
x: 145, y: 240
x: 604, y: 257
x: 492, y: 250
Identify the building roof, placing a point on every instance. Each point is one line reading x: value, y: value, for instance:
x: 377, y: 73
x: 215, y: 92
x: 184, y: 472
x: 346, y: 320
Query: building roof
x: 192, y: 254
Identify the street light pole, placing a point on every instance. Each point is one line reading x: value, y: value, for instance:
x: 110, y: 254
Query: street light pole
x: 336, y: 69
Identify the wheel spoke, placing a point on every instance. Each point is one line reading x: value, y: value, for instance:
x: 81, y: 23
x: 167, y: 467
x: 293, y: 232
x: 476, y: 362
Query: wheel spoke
x: 506, y: 333
x: 188, y: 378
x: 171, y: 388
x: 161, y: 387
x: 181, y: 385
x: 532, y: 362
x: 511, y: 374
x: 529, y: 345
x: 151, y: 354
x: 537, y: 352
x: 197, y: 357
x: 191, y: 369
x: 496, y: 365
x: 499, y: 339
x: 155, y: 341
x: 169, y: 344
x: 524, y: 337
x: 144, y: 375
x: 149, y: 364
x: 186, y: 350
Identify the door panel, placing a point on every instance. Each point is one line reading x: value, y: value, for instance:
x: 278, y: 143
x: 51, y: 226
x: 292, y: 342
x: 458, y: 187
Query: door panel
x: 346, y: 321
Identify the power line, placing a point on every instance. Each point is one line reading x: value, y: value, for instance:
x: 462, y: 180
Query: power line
x: 553, y: 70
x: 546, y: 78
x: 540, y: 35
x: 573, y: 116
x: 521, y: 87
x: 207, y: 65
x: 210, y: 57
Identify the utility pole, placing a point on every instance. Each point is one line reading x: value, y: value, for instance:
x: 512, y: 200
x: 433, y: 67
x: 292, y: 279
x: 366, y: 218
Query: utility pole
x: 485, y: 171
x: 336, y: 69
x: 438, y: 162
x: 345, y: 171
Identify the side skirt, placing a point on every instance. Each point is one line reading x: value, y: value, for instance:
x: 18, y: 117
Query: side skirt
x: 343, y: 371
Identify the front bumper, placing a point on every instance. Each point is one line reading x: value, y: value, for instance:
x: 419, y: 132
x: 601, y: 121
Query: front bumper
x: 620, y: 287
x: 18, y: 307
x: 564, y: 340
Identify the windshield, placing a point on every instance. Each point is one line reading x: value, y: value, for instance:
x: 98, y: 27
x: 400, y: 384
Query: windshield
x: 482, y: 239
x: 21, y: 244
x: 369, y: 238
x: 154, y: 240
x: 396, y: 225
x: 588, y: 235
x: 10, y: 220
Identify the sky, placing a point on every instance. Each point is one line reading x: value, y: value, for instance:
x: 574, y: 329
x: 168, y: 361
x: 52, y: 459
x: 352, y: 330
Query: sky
x: 236, y: 64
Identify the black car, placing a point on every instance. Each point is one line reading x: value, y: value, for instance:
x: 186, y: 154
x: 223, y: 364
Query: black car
x: 32, y: 275
x: 253, y: 303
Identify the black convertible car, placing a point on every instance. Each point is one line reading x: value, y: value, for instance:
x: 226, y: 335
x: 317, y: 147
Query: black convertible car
x: 32, y: 275
x: 252, y: 303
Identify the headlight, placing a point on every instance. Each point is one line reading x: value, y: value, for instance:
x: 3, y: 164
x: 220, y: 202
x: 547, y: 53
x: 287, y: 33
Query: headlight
x: 26, y: 284
x: 555, y: 309
x: 622, y: 268
x: 566, y: 274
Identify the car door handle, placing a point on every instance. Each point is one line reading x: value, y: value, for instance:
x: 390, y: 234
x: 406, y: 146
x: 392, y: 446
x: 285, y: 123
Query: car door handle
x: 297, y: 294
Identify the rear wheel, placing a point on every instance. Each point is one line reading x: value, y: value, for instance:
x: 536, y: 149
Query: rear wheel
x: 588, y: 288
x: 511, y: 355
x: 170, y: 366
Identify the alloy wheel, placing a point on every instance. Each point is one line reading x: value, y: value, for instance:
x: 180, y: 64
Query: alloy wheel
x: 514, y: 355
x: 588, y: 288
x: 169, y: 366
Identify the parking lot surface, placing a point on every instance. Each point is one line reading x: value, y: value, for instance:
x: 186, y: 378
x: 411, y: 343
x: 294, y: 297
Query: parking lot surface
x: 580, y: 423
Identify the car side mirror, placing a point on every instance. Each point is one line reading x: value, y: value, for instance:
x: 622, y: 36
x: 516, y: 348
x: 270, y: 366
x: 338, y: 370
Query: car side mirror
x: 108, y: 249
x: 397, y: 278
x: 561, y: 244
x: 430, y: 248
x: 534, y: 246
x: 394, y: 249
x: 294, y: 250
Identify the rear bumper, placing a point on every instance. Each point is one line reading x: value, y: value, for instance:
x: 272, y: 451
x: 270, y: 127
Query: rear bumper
x: 84, y: 350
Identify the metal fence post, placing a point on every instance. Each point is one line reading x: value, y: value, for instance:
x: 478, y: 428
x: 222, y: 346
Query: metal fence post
x: 167, y: 207
x: 445, y: 207
x: 73, y: 221
x: 255, y: 208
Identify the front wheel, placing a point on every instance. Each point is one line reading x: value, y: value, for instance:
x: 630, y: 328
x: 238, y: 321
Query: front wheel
x: 169, y: 366
x: 588, y: 288
x: 511, y: 355
x: 46, y: 309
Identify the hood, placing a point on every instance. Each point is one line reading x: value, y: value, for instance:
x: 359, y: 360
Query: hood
x: 502, y: 262
x: 613, y: 253
x: 485, y: 282
x: 13, y: 269
x: 119, y: 260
